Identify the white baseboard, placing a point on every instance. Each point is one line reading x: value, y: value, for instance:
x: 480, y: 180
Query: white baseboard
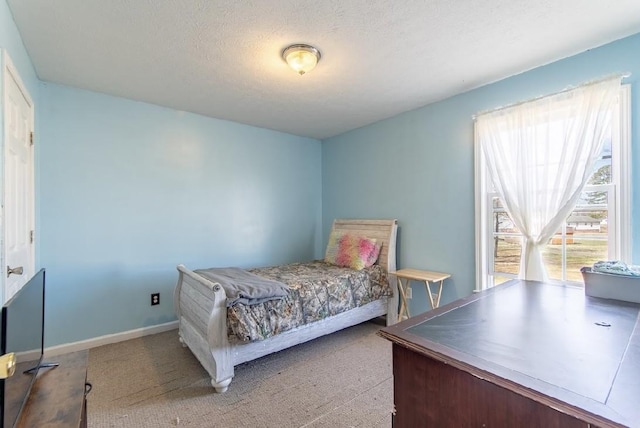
x: 109, y: 338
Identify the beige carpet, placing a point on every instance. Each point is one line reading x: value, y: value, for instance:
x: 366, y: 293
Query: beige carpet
x: 340, y: 380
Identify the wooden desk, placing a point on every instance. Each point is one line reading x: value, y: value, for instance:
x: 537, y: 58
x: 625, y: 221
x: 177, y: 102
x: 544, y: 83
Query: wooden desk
x: 523, y: 353
x: 57, y: 398
x: 418, y: 275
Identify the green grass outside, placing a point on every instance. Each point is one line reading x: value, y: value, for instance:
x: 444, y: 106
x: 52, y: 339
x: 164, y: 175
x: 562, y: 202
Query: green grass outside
x: 582, y: 252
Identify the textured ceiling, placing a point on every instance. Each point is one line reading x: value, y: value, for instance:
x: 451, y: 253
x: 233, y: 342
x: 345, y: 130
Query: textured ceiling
x: 221, y: 58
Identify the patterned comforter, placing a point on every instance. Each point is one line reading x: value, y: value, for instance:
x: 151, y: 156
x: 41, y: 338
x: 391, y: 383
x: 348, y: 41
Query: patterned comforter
x: 317, y: 290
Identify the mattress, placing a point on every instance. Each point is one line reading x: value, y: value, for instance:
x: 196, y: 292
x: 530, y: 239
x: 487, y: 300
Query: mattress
x: 317, y: 290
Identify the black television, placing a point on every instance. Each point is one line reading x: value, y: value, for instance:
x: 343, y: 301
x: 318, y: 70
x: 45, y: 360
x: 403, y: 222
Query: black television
x: 22, y: 333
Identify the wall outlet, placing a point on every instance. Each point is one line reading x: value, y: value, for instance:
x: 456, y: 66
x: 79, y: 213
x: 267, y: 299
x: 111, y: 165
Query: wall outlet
x: 155, y: 299
x: 408, y: 293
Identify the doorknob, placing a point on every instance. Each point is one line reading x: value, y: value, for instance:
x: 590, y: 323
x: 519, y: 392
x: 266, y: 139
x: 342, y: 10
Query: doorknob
x: 7, y: 365
x: 16, y: 270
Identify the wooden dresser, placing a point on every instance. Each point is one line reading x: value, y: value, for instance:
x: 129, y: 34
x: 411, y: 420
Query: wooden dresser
x: 58, y: 396
x: 521, y: 354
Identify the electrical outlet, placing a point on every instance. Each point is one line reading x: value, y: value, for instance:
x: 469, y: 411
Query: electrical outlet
x: 408, y: 293
x: 155, y: 299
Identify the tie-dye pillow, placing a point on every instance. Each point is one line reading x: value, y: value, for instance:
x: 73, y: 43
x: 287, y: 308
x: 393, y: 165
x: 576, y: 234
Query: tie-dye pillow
x: 373, y: 257
x: 353, y: 251
x: 331, y: 253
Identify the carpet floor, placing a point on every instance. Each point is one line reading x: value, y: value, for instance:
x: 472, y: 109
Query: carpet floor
x: 340, y: 380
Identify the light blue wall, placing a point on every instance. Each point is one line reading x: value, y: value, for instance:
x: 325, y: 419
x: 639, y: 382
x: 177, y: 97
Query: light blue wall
x: 418, y: 166
x: 129, y: 190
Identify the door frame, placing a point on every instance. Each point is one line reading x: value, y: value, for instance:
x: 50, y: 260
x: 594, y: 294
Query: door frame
x: 10, y: 71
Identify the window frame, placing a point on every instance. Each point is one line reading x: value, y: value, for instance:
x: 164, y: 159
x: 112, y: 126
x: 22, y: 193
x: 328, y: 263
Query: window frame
x: 621, y: 183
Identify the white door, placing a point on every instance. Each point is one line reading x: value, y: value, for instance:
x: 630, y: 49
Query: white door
x: 18, y: 262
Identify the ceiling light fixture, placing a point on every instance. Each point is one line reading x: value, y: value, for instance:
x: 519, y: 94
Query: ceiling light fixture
x: 302, y: 58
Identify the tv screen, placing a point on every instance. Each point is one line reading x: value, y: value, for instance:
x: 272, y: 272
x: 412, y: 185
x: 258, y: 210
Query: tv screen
x: 22, y: 332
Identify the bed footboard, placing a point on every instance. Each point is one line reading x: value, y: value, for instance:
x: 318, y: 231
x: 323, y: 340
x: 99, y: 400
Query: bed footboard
x: 202, y: 317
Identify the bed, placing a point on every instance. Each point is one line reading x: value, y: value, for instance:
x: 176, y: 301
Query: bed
x: 210, y: 329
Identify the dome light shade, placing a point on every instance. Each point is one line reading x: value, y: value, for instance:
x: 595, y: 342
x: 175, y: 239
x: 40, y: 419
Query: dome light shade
x: 302, y: 58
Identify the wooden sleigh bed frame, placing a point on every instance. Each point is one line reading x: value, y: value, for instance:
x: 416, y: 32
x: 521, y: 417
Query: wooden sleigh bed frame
x: 201, y: 309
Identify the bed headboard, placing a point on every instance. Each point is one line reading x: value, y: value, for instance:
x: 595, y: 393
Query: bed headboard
x: 384, y: 231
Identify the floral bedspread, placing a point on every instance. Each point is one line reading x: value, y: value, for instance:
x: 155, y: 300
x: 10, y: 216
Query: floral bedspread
x: 317, y: 290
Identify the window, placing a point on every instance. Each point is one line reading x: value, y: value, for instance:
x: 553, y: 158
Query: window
x: 598, y: 227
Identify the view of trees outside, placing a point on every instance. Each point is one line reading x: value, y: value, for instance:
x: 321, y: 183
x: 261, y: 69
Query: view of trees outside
x: 585, y: 237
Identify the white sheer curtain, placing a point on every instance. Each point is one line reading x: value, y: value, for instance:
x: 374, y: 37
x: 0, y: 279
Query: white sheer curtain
x: 539, y: 156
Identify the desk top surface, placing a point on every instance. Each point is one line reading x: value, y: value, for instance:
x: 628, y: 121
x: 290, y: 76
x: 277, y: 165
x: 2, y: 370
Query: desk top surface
x: 549, y: 338
x: 57, y: 396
